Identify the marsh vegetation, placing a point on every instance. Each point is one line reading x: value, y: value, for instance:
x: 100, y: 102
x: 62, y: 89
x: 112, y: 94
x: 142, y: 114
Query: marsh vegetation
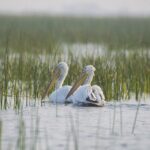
x: 30, y: 48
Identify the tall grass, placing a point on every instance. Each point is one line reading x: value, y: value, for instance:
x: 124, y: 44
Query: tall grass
x: 30, y: 48
x: 37, y: 34
x: 121, y: 75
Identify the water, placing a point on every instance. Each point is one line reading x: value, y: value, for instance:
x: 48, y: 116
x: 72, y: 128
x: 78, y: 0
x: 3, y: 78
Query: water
x: 71, y: 127
x: 78, y: 51
x: 84, y: 50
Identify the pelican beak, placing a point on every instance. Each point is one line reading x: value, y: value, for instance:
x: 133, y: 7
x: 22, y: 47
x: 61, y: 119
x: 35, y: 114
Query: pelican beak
x: 79, y: 82
x: 55, y: 76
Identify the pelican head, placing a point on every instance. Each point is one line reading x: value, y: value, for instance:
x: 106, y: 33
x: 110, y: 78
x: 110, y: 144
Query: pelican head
x: 86, y: 77
x: 58, y: 76
x: 89, y: 70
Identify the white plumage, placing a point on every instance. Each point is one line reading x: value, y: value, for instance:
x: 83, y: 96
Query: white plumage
x: 87, y: 95
x: 99, y: 94
x: 59, y: 95
x: 57, y: 80
x: 81, y: 94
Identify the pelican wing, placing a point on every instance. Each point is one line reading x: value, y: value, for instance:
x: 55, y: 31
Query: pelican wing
x: 93, y: 101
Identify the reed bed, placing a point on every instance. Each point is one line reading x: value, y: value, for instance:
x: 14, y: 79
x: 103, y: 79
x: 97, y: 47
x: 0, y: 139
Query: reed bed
x: 35, y: 34
x: 121, y: 75
x: 31, y: 46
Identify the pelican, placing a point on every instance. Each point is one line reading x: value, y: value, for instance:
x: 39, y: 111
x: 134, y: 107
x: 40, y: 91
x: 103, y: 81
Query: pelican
x: 82, y: 93
x: 57, y: 80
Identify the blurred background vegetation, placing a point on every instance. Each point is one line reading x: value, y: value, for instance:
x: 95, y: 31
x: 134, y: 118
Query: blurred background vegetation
x: 31, y: 33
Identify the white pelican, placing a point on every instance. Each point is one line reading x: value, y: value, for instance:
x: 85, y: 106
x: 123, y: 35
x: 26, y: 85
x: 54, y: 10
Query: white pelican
x: 86, y: 94
x: 58, y: 77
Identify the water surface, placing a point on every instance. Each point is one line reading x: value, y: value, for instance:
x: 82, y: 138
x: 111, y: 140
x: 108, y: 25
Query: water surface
x: 72, y: 127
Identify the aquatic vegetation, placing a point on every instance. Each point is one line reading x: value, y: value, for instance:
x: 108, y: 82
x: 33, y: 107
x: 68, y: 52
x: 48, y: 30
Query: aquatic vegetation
x: 31, y: 47
x: 121, y: 75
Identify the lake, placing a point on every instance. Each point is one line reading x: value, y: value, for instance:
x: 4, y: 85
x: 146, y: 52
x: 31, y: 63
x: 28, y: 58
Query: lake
x: 71, y: 127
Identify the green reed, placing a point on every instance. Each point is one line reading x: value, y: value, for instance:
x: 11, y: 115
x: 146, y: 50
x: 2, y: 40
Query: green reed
x: 121, y: 75
x: 31, y: 47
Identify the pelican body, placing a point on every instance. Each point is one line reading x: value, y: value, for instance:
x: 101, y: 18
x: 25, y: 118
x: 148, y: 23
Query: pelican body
x: 82, y: 93
x: 59, y: 95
